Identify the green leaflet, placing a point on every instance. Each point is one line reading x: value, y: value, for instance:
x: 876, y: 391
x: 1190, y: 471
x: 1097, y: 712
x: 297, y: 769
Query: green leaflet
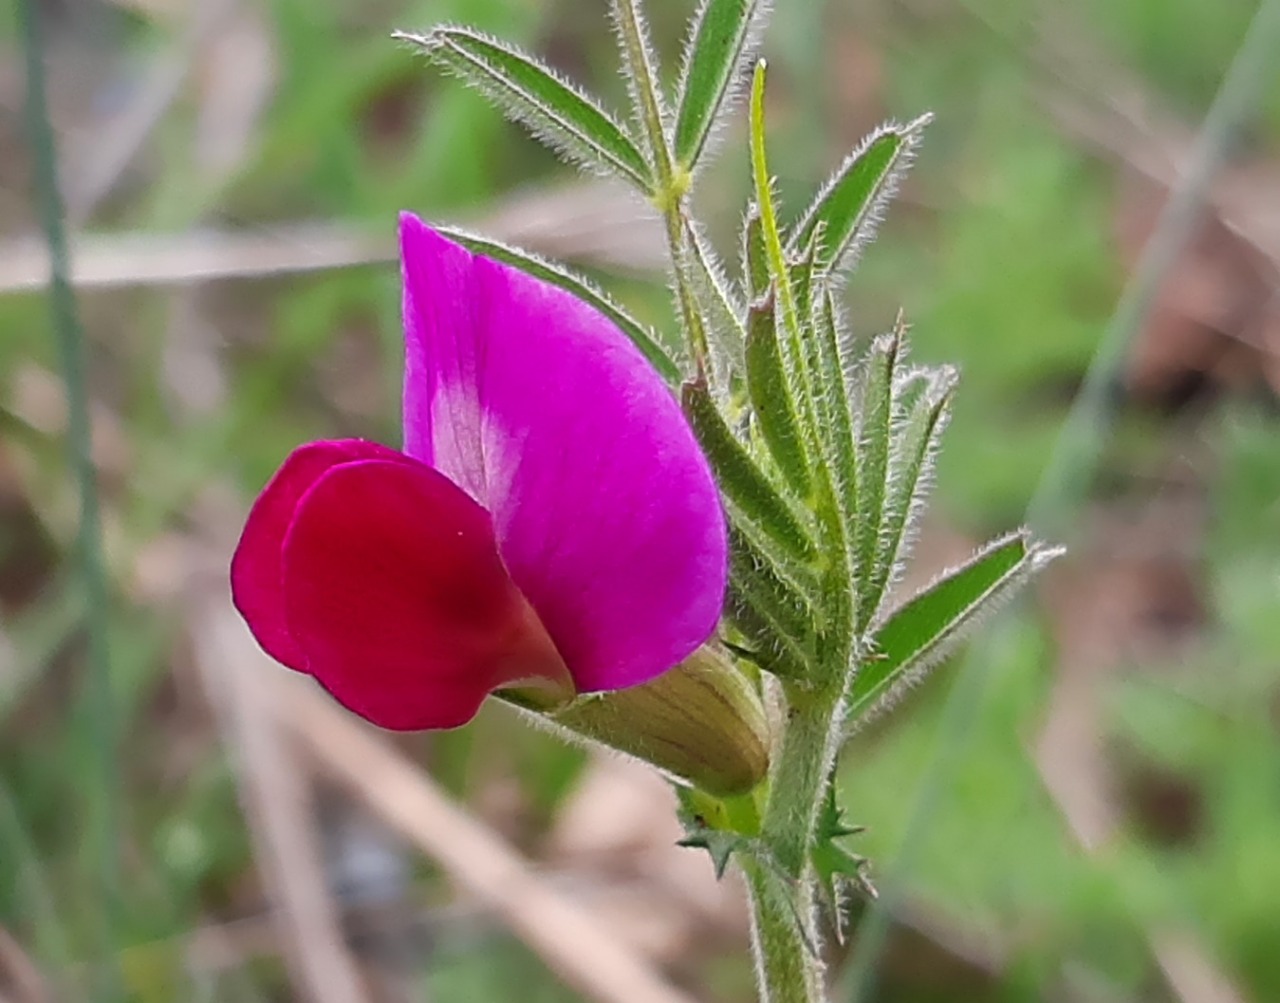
x: 755, y: 260
x: 723, y: 315
x: 849, y: 204
x: 919, y: 422
x: 770, y: 395
x: 768, y: 648
x: 842, y: 445
x: 580, y: 287
x: 719, y: 40
x: 537, y: 97
x: 791, y: 344
x: 875, y: 429
x: 780, y: 601
x: 741, y: 480
x: 805, y: 274
x: 925, y: 628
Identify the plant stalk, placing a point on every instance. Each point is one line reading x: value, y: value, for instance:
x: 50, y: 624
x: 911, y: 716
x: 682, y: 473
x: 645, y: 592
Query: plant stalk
x: 782, y: 903
x: 786, y: 971
x: 673, y: 183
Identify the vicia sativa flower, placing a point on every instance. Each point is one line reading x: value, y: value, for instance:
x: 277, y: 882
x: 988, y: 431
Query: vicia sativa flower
x: 550, y: 525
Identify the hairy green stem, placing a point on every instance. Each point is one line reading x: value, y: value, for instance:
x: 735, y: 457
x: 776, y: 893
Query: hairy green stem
x: 786, y: 971
x: 782, y: 904
x: 673, y: 182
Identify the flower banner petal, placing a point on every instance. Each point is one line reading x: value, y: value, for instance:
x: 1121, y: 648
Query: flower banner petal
x: 256, y: 573
x: 396, y: 595
x: 606, y: 512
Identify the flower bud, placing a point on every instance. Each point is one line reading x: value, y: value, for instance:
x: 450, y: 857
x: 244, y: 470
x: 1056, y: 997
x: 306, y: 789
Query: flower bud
x: 701, y: 722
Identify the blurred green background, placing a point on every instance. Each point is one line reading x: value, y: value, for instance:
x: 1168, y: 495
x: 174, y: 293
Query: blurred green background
x: 1108, y: 829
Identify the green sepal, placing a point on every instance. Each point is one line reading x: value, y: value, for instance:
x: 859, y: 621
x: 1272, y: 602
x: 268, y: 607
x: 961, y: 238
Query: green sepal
x: 720, y: 38
x: 851, y: 202
x: 548, y: 271
x: 745, y: 485
x: 534, y: 95
x: 721, y: 826
x: 719, y: 845
x: 928, y: 626
x: 770, y: 394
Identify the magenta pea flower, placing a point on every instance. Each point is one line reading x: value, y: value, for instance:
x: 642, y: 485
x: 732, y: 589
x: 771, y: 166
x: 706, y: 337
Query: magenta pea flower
x: 550, y: 523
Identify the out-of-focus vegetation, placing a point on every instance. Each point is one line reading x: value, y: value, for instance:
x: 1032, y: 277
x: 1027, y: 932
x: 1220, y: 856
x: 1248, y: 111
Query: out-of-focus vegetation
x: 1115, y: 805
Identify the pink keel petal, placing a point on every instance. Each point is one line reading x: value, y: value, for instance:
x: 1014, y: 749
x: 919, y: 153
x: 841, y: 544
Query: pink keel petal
x: 256, y: 572
x: 605, y: 510
x: 395, y: 592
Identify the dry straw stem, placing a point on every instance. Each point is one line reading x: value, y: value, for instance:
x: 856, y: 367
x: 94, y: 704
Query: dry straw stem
x: 20, y: 980
x: 591, y: 221
x: 572, y: 941
x: 1187, y: 969
x: 275, y: 803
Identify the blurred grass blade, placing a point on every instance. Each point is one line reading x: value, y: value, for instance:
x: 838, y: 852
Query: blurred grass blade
x: 721, y: 37
x: 579, y: 286
x: 98, y: 702
x: 536, y: 96
x: 744, y: 484
x: 918, y: 426
x: 928, y: 626
x: 851, y: 202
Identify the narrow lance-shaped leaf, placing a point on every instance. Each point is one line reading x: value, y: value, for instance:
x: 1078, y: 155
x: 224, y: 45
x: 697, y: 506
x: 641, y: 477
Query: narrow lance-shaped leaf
x: 720, y: 38
x: 537, y: 97
x: 918, y: 429
x: 640, y: 70
x: 839, y: 441
x: 770, y: 611
x: 581, y: 287
x: 810, y: 385
x: 851, y: 202
x: 755, y: 261
x: 800, y: 379
x: 742, y: 481
x: 805, y: 274
x: 726, y: 336
x: 928, y: 626
x: 874, y: 427
x: 770, y: 396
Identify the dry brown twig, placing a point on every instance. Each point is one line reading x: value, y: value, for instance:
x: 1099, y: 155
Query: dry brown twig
x: 20, y: 980
x: 275, y: 801
x: 572, y: 941
x: 1100, y: 629
x: 104, y: 156
x: 590, y: 221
